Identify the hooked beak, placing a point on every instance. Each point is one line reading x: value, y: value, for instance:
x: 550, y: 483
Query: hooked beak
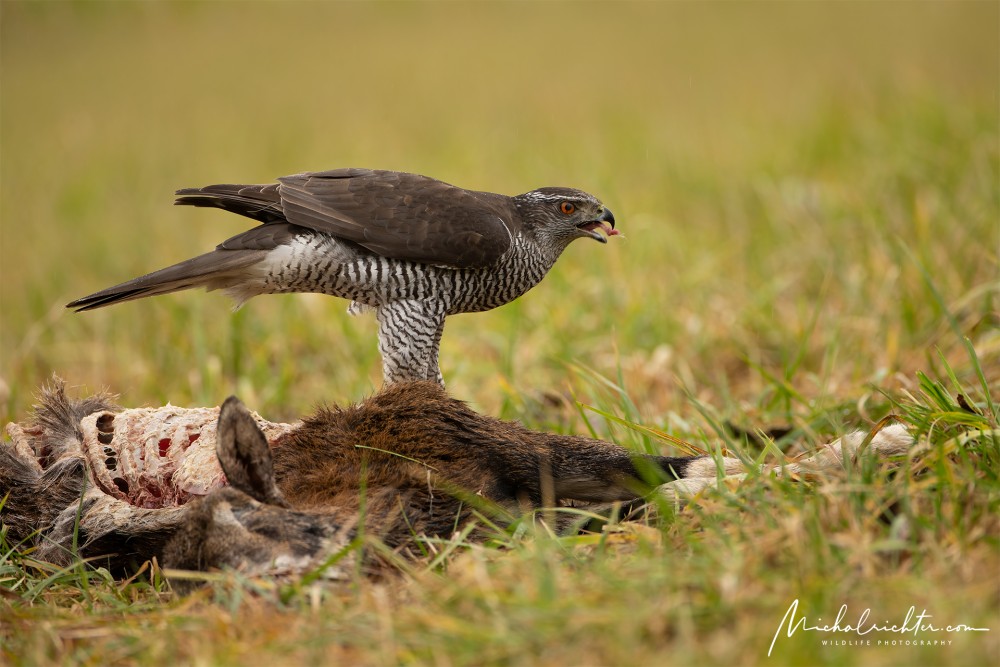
x: 605, y: 223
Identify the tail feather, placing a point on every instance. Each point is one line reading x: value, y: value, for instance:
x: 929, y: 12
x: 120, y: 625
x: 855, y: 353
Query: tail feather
x: 219, y: 269
x: 225, y: 267
x: 258, y: 202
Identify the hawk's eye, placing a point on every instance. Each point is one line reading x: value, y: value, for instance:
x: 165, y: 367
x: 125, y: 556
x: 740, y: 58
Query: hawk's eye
x: 567, y: 207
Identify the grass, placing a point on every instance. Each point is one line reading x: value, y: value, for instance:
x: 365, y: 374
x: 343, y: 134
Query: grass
x: 810, y: 200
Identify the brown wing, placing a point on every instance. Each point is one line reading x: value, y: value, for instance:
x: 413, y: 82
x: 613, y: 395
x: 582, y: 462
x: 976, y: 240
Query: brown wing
x: 402, y: 216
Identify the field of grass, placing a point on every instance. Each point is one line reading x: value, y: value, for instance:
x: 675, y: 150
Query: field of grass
x: 810, y: 198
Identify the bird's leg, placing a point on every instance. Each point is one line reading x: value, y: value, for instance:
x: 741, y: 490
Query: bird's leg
x: 408, y: 336
x: 434, y: 364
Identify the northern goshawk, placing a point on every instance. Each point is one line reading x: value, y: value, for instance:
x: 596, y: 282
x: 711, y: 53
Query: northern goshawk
x: 410, y: 247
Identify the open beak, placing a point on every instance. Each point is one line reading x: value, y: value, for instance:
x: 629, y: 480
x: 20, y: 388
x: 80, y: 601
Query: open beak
x: 605, y: 223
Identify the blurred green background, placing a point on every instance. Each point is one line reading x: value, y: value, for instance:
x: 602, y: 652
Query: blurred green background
x: 808, y: 190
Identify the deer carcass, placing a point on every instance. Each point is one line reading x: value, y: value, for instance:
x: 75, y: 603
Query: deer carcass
x: 201, y: 488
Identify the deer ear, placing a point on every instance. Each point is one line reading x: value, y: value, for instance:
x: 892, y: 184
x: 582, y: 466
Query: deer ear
x: 244, y: 454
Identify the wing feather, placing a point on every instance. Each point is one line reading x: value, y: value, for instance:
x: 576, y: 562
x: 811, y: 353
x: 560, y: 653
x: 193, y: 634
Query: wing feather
x: 401, y: 216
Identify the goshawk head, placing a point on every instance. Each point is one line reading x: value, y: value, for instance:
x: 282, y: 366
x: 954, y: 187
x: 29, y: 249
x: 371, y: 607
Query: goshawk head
x: 561, y: 215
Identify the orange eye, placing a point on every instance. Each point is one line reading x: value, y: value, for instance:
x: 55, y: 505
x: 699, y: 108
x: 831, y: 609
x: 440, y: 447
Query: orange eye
x: 567, y: 208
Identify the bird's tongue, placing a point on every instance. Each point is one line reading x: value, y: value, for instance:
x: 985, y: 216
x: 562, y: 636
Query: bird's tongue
x: 601, y: 225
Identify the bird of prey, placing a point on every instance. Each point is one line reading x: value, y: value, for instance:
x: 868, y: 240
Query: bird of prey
x: 413, y: 248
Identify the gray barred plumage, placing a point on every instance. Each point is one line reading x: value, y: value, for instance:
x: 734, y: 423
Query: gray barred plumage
x: 412, y: 248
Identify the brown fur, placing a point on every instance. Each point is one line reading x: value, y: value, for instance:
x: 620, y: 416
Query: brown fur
x: 39, y: 483
x: 406, y: 465
x: 412, y: 443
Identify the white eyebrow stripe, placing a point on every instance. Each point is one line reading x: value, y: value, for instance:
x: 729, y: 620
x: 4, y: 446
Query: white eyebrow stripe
x: 567, y: 197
